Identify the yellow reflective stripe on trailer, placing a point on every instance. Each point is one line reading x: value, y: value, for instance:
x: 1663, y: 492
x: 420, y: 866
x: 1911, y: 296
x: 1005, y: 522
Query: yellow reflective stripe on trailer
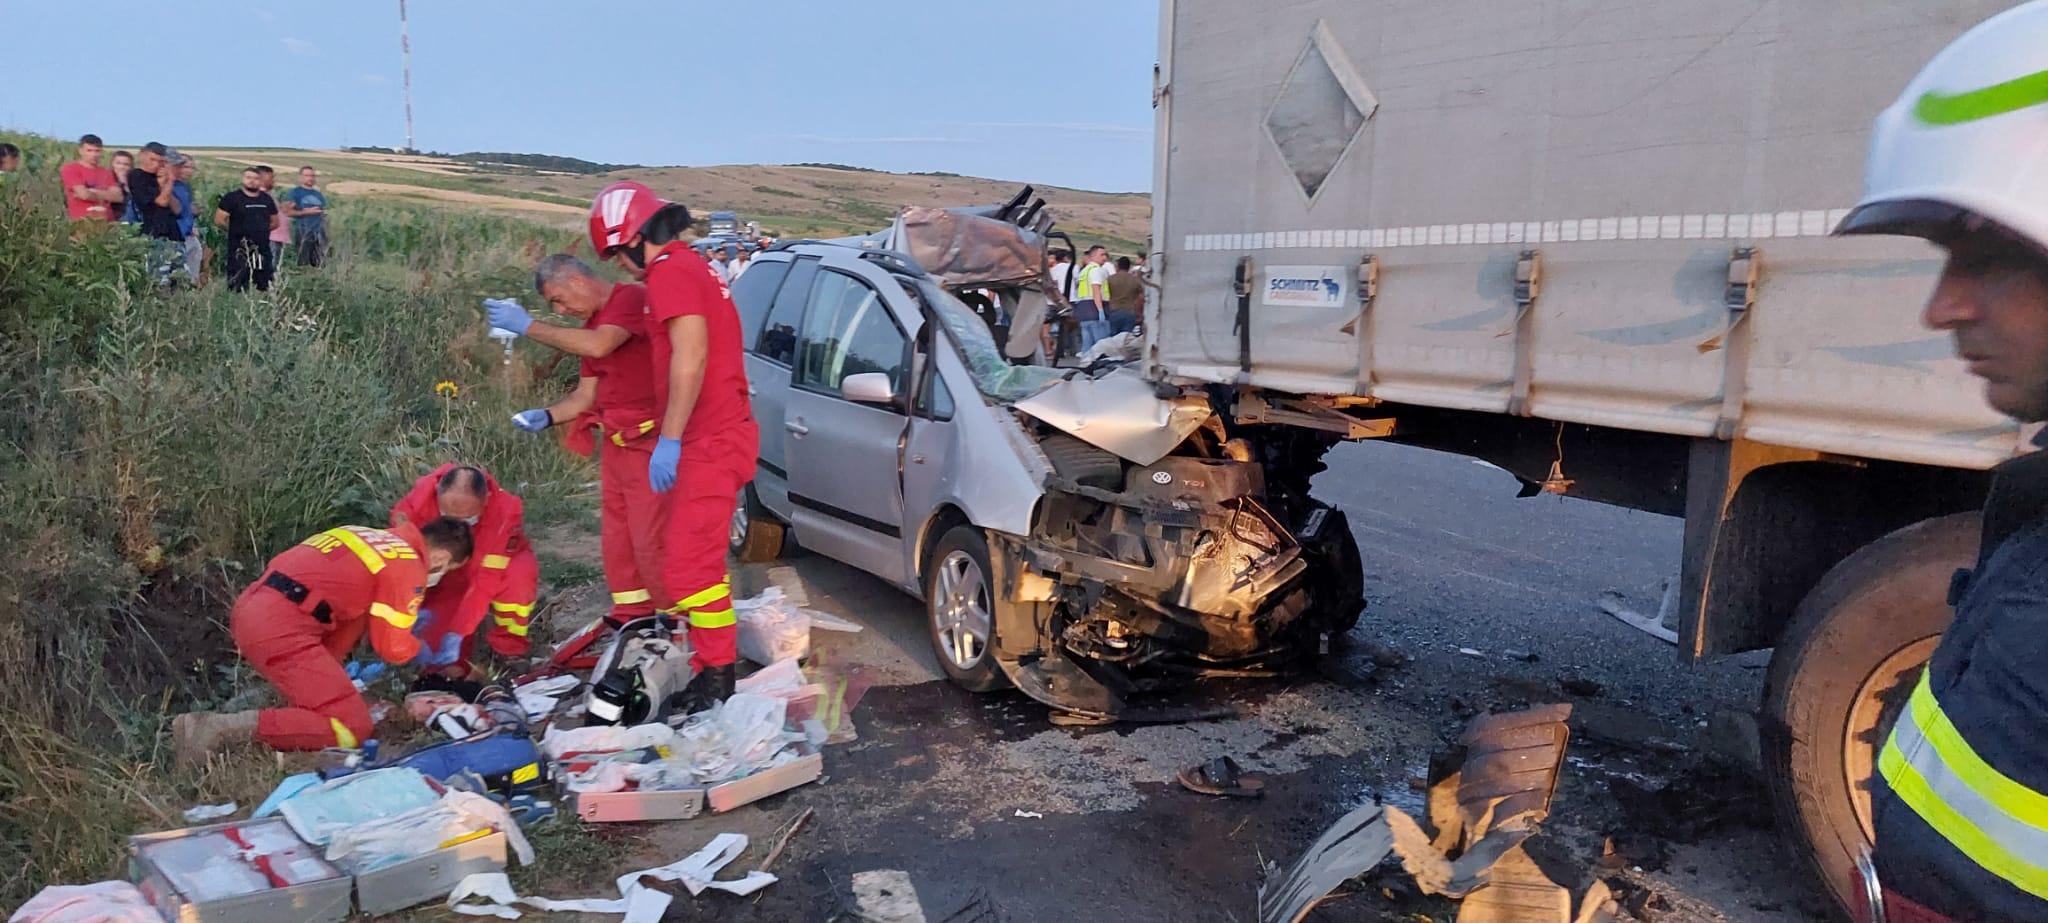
x: 1985, y: 815
x: 398, y: 619
x: 497, y: 561
x: 629, y: 597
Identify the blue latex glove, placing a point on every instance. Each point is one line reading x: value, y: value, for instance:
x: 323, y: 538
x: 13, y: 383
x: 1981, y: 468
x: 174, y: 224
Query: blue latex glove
x: 661, y: 468
x: 447, y: 652
x: 368, y: 671
x: 533, y: 421
x: 506, y: 314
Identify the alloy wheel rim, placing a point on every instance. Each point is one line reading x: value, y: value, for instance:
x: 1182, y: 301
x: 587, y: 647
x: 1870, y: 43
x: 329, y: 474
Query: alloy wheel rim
x: 960, y: 610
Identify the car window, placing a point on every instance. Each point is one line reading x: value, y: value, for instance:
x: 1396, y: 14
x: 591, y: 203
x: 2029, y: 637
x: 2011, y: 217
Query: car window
x: 993, y: 374
x: 935, y: 400
x: 778, y: 334
x: 846, y: 331
x: 754, y: 293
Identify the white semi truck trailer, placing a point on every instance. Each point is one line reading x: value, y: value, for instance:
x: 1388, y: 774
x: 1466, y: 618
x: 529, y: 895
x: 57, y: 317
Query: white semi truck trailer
x: 1588, y: 242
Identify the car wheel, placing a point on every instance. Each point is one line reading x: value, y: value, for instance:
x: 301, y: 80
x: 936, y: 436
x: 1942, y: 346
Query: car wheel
x: 756, y: 535
x: 960, y: 602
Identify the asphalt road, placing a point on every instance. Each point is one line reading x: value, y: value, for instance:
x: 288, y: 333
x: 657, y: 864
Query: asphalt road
x: 989, y: 813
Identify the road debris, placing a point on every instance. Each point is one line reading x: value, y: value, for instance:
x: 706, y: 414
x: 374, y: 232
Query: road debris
x: 783, y: 840
x: 1656, y: 626
x: 1222, y: 777
x: 639, y: 903
x: 1030, y: 815
x: 886, y: 896
x: 1494, y: 802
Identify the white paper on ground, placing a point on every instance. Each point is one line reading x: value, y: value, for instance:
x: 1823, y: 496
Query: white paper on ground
x: 639, y: 903
x: 539, y: 698
x: 202, y: 813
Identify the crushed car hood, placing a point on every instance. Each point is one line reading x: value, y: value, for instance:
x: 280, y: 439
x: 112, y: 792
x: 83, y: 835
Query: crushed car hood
x: 1119, y: 412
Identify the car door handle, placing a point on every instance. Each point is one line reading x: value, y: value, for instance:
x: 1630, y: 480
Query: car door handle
x: 917, y: 459
x: 796, y: 427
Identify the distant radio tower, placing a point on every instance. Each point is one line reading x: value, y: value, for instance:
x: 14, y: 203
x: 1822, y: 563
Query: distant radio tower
x: 405, y: 52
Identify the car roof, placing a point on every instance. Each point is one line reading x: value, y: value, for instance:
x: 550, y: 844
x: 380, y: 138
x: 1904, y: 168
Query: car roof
x: 892, y: 261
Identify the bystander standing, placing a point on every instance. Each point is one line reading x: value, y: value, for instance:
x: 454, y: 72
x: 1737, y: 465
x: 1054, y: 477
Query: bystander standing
x: 188, y: 216
x: 90, y: 190
x: 280, y: 231
x: 1091, y: 297
x: 124, y: 163
x: 248, y: 214
x: 1126, y: 298
x: 152, y: 185
x: 306, y: 205
x: 738, y: 258
x: 10, y: 160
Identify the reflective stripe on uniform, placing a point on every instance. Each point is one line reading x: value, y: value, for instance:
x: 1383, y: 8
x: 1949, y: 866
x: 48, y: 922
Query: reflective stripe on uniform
x: 1997, y: 822
x: 372, y: 561
x: 399, y: 619
x: 512, y: 617
x: 630, y: 597
x: 711, y: 594
x: 718, y: 618
x: 342, y: 737
x: 619, y: 436
x: 497, y: 561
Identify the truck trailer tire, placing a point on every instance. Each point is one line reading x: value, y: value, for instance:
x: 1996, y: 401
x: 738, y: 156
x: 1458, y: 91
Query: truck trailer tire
x: 1839, y: 677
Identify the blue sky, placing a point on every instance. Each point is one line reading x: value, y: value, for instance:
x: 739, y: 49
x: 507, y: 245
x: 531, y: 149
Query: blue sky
x: 1015, y: 91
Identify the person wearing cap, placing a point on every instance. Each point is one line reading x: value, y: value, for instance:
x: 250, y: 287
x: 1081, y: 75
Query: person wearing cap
x: 1960, y: 798
x: 152, y: 186
x: 708, y: 440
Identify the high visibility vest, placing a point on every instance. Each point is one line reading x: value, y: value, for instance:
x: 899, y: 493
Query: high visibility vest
x: 1997, y: 822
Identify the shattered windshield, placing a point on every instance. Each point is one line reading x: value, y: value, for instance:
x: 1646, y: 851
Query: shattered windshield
x: 993, y: 375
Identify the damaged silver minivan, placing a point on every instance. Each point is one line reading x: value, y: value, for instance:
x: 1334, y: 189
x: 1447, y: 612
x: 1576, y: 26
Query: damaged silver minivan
x: 1085, y: 535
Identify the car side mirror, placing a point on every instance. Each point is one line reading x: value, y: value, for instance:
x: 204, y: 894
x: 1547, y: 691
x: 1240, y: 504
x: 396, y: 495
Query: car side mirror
x: 868, y: 388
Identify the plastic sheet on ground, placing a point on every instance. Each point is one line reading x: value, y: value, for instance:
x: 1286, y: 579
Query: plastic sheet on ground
x: 772, y: 628
x: 101, y: 902
x: 605, y: 738
x: 321, y: 811
x: 391, y: 840
x: 739, y: 737
x: 292, y: 785
x: 639, y: 903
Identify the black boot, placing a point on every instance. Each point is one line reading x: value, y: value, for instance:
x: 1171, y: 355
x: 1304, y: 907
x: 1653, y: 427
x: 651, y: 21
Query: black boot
x: 708, y: 688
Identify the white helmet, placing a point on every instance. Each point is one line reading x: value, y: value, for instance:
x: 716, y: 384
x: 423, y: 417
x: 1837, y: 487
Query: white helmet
x: 1967, y: 144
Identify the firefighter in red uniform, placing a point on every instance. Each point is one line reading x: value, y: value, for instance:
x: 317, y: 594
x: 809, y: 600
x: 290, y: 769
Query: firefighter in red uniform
x: 500, y: 580
x: 708, y: 442
x: 302, y: 618
x: 613, y: 411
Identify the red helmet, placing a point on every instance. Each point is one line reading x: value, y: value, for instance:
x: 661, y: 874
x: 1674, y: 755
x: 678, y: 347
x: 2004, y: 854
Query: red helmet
x: 619, y: 212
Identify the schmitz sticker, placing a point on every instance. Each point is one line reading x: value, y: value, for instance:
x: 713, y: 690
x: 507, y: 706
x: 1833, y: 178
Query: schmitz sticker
x: 1302, y: 287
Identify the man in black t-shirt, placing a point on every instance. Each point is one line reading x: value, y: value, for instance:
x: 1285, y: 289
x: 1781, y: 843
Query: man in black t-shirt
x: 249, y: 215
x: 150, y: 188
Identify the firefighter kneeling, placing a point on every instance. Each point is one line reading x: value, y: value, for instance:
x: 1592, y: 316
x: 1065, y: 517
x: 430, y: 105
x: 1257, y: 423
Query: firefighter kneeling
x: 299, y: 622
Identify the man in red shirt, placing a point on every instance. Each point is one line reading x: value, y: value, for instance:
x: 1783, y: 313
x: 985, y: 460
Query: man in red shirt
x: 90, y: 190
x: 502, y: 578
x: 613, y: 410
x: 299, y: 622
x: 708, y: 442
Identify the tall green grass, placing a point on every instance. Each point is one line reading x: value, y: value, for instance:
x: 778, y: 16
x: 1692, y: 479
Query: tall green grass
x: 157, y: 447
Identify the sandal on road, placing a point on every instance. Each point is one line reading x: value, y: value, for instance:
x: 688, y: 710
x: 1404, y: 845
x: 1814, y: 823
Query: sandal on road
x: 1221, y: 777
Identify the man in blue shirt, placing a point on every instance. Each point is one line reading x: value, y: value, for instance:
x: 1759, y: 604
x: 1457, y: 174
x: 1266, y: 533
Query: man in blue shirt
x: 188, y: 220
x: 306, y: 205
